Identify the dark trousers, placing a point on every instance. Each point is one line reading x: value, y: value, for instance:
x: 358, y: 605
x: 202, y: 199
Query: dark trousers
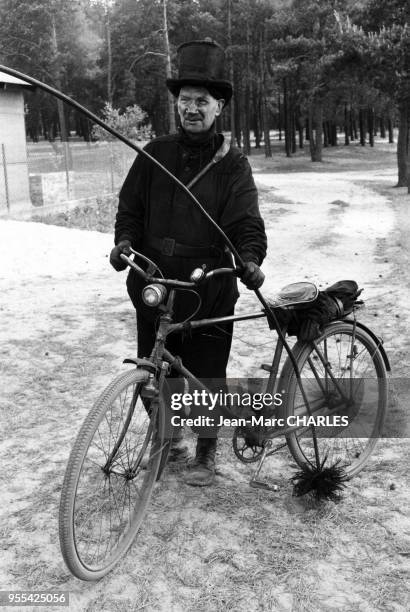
x: 205, y: 353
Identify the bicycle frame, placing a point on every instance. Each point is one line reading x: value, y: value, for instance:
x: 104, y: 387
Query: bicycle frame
x: 162, y: 359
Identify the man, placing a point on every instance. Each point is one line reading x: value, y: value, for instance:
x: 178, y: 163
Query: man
x: 156, y: 218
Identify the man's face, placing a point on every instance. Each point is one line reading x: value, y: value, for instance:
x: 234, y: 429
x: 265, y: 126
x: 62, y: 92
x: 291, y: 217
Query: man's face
x: 197, y: 109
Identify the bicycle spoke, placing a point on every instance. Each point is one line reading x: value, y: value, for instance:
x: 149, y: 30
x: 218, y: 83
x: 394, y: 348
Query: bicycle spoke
x: 342, y: 376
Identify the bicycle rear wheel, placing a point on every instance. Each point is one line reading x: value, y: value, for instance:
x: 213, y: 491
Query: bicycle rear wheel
x: 110, y: 476
x: 343, y: 375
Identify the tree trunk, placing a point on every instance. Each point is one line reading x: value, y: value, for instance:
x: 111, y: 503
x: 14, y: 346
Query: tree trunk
x: 362, y: 128
x: 68, y: 160
x: 408, y: 162
x: 259, y: 108
x: 325, y: 134
x: 403, y: 146
x: 231, y: 71
x: 370, y: 123
x: 244, y: 111
x: 286, y: 116
x: 237, y: 120
x: 293, y: 128
x: 246, y: 122
x: 109, y: 53
x: 266, y: 134
x: 256, y: 120
x: 300, y: 130
x: 171, y: 108
x: 333, y: 134
x: 382, y: 127
x: 346, y: 127
x: 390, y: 130
x: 354, y: 125
x: 265, y: 120
x: 279, y: 117
x: 316, y: 131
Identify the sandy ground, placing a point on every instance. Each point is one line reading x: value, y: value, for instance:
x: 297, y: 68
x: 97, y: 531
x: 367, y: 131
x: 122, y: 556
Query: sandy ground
x: 66, y: 326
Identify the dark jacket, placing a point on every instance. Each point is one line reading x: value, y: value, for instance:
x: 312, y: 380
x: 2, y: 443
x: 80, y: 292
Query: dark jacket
x: 152, y: 204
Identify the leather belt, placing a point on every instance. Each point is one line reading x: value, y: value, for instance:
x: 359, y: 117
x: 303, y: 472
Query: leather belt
x: 169, y: 247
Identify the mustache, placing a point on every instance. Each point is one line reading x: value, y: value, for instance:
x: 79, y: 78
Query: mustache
x: 189, y: 115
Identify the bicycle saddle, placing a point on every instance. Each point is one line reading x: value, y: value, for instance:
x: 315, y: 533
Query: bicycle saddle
x: 295, y: 295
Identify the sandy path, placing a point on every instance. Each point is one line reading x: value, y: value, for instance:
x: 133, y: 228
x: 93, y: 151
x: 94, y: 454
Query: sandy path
x: 324, y: 228
x: 65, y: 326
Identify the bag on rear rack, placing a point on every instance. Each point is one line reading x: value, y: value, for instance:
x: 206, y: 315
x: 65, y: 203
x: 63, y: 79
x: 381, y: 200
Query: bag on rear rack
x: 332, y: 304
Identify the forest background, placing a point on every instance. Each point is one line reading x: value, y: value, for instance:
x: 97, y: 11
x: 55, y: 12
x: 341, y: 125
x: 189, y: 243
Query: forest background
x: 320, y: 72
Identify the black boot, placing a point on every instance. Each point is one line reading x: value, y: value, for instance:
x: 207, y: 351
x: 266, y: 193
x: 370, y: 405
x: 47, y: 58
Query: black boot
x: 201, y: 469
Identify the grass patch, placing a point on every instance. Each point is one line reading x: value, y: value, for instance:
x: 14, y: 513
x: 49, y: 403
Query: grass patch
x: 98, y: 216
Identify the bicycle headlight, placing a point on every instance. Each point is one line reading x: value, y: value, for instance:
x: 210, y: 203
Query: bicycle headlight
x: 153, y: 295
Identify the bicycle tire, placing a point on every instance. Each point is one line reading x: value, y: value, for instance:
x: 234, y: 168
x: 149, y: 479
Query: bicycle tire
x: 361, y: 373
x: 109, y: 478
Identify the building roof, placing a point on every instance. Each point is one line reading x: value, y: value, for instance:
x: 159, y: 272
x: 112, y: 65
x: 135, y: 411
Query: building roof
x: 7, y: 79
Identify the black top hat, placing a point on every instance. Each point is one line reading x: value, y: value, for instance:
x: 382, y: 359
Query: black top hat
x: 201, y: 62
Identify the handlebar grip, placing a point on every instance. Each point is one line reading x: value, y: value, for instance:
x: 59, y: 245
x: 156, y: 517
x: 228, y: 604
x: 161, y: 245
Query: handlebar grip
x: 219, y: 271
x: 134, y: 266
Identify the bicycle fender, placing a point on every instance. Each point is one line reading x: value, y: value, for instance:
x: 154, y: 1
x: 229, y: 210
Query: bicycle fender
x: 373, y: 336
x: 142, y: 363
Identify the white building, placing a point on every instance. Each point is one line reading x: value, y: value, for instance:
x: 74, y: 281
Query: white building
x: 14, y: 180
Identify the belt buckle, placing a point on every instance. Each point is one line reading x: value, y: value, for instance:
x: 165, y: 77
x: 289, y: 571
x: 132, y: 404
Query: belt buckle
x: 168, y: 246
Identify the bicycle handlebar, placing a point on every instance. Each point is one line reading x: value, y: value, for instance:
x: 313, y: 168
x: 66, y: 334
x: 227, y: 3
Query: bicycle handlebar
x: 177, y: 283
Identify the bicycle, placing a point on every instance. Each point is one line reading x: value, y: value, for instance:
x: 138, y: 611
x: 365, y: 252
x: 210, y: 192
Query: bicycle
x: 122, y: 448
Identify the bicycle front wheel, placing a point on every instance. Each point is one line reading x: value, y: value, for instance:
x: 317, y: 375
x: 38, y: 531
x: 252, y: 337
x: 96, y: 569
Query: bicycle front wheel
x: 110, y: 476
x: 343, y: 375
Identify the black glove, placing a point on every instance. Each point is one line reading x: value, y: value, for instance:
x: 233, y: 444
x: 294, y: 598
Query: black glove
x: 115, y: 259
x: 251, y: 275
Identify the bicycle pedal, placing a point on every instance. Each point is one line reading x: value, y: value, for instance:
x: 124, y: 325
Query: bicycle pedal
x: 259, y: 484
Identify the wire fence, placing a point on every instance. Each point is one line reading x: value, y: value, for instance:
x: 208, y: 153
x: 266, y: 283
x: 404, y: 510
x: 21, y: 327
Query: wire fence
x: 60, y: 175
